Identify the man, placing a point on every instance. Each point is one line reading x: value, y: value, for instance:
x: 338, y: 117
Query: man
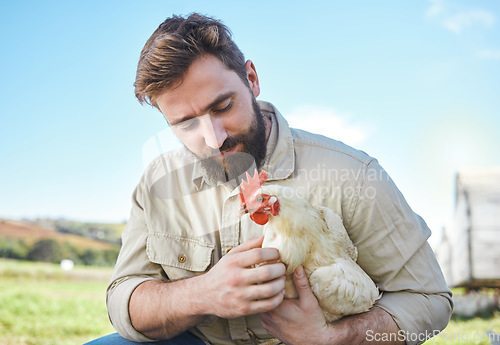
x: 191, y: 268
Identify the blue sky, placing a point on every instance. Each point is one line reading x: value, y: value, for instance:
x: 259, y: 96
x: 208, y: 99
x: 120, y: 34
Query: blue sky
x: 414, y: 84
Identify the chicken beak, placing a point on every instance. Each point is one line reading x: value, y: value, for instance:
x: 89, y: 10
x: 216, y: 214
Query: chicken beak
x: 243, y: 210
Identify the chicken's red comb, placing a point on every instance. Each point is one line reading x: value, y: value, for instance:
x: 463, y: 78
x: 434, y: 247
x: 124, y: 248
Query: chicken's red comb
x: 248, y: 189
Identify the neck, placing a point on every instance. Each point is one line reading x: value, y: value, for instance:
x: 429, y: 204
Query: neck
x: 269, y: 124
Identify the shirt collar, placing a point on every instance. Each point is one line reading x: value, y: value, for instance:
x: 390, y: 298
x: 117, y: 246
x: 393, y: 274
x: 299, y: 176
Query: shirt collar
x: 198, y: 178
x: 280, y: 159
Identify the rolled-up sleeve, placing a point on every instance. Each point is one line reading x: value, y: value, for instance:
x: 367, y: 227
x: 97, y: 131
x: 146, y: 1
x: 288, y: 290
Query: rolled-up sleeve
x: 133, y: 267
x: 419, y: 313
x: 393, y: 249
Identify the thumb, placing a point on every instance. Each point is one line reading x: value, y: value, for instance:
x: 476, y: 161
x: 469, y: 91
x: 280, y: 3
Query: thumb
x: 302, y: 284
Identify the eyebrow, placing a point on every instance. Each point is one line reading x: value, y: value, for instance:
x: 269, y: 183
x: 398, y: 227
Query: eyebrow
x: 216, y: 101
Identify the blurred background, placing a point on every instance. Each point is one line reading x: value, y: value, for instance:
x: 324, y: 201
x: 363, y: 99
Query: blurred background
x: 414, y: 84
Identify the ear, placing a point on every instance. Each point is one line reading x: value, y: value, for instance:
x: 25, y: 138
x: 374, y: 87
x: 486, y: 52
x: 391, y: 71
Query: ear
x: 252, y: 77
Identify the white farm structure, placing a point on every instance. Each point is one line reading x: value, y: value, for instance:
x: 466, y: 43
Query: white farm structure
x: 469, y: 252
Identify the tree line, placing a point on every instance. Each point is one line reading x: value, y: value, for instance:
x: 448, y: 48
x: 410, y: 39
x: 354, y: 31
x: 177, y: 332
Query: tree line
x: 51, y: 250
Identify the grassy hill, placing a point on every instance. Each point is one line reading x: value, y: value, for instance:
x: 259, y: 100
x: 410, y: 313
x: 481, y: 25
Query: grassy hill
x: 53, y: 240
x: 32, y: 233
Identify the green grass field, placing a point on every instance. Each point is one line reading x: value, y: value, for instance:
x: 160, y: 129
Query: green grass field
x: 469, y: 330
x: 42, y: 305
x: 473, y: 331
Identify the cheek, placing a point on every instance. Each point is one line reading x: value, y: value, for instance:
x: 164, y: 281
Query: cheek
x: 240, y: 119
x: 239, y: 124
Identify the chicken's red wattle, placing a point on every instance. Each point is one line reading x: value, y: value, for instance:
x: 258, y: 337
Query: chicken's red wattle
x: 260, y: 218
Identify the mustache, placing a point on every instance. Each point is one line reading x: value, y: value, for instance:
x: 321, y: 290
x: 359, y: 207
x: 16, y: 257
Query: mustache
x: 228, y: 144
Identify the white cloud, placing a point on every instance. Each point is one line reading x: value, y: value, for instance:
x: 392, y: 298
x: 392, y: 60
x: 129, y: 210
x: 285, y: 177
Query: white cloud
x: 457, y: 19
x: 328, y: 123
x: 436, y: 8
x: 488, y: 54
x: 460, y: 21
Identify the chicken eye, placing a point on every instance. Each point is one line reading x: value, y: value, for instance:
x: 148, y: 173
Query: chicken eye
x: 260, y: 199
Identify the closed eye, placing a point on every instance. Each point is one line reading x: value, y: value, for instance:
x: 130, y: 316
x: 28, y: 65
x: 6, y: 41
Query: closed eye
x: 219, y: 108
x: 223, y: 107
x: 188, y: 125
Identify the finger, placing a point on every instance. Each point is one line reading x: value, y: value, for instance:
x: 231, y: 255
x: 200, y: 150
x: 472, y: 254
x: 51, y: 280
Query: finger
x: 266, y: 319
x: 302, y: 285
x: 265, y: 305
x: 256, y: 256
x: 266, y: 290
x: 265, y: 316
x: 263, y: 274
x: 250, y: 244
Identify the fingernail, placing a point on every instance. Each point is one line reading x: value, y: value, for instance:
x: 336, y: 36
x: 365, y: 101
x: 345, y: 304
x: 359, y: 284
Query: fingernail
x: 299, y: 272
x: 283, y: 292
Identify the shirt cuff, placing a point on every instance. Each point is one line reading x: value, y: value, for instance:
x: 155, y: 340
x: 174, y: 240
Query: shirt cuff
x: 118, y: 297
x: 418, y: 316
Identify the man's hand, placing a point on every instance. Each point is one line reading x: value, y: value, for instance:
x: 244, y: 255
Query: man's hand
x: 233, y: 287
x: 236, y: 287
x: 297, y: 321
x: 301, y: 321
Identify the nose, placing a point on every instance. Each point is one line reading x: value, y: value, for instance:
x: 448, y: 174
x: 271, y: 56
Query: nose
x: 214, y: 132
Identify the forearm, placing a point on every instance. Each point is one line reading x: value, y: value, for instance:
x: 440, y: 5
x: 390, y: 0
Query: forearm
x: 162, y: 310
x: 373, y: 327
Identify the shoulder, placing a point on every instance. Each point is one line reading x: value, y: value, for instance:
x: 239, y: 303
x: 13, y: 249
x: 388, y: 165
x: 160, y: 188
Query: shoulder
x: 320, y: 147
x: 172, y: 166
x: 171, y: 158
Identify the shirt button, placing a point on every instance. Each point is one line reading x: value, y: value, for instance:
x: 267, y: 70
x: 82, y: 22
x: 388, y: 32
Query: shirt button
x: 182, y: 258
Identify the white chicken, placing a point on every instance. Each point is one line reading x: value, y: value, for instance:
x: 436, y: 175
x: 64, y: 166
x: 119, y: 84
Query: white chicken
x: 315, y: 238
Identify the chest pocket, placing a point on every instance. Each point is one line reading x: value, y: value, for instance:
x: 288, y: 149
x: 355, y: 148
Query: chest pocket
x: 180, y: 257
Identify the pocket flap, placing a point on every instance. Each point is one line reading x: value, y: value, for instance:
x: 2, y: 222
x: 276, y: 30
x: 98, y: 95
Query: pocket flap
x: 184, y: 253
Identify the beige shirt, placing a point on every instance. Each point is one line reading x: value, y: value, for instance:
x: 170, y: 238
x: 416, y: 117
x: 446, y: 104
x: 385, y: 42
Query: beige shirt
x: 180, y: 226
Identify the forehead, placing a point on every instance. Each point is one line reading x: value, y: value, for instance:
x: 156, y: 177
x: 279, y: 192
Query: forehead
x: 205, y: 80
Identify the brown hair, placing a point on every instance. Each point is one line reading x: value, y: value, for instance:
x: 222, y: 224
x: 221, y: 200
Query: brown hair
x: 174, y: 46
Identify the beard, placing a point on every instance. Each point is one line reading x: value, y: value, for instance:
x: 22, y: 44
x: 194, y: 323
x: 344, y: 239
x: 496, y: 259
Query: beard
x: 237, y: 163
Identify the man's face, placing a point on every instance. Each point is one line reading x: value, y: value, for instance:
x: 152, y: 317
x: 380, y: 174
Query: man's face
x: 217, y: 118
